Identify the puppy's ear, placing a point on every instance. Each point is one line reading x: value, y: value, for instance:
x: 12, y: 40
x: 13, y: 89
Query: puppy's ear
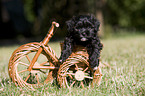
x: 100, y: 46
x: 97, y: 25
x: 70, y: 24
x: 95, y: 22
x: 67, y: 49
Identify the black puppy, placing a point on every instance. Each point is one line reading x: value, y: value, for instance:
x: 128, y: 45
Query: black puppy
x: 82, y: 30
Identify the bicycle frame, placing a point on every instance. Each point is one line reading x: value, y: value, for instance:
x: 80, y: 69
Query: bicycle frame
x: 43, y: 43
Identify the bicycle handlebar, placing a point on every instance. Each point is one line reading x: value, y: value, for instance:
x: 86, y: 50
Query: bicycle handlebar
x: 55, y: 23
x: 50, y: 32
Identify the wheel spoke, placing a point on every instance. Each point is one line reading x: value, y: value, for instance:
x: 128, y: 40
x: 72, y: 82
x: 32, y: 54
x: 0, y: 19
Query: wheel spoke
x: 22, y: 71
x: 37, y: 78
x: 88, y: 77
x: 70, y: 76
x: 85, y: 69
x: 70, y: 73
x: 72, y: 83
x: 22, y: 63
x: 43, y: 63
x: 28, y: 58
x: 76, y: 66
x: 42, y: 71
x: 27, y: 77
x: 66, y: 83
x: 82, y: 84
x: 98, y: 74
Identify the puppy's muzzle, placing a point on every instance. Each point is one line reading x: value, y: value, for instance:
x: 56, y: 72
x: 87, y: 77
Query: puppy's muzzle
x: 83, y: 39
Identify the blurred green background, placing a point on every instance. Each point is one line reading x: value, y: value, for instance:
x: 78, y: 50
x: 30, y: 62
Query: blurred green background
x: 122, y: 33
x: 32, y: 18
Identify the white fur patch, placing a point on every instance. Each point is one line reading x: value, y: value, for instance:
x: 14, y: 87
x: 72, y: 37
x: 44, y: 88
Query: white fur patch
x: 95, y: 68
x: 84, y: 39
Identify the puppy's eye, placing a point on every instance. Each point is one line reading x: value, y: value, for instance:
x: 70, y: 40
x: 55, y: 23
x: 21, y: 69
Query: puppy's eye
x: 90, y: 27
x: 78, y: 28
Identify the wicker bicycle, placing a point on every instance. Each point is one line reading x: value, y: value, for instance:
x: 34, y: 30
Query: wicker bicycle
x: 36, y: 64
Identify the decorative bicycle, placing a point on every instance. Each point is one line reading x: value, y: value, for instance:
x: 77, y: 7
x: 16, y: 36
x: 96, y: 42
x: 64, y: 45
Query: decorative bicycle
x: 35, y: 64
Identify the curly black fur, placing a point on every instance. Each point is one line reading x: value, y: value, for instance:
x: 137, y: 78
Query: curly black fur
x: 82, y: 30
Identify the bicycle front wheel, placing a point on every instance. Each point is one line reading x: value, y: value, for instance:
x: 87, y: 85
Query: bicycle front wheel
x: 20, y: 61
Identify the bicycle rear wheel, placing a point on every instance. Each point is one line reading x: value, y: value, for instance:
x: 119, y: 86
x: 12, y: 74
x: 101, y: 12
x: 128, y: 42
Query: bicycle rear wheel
x: 76, y: 72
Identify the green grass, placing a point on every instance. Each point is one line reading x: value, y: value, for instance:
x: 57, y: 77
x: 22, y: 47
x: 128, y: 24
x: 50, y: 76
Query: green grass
x: 124, y: 77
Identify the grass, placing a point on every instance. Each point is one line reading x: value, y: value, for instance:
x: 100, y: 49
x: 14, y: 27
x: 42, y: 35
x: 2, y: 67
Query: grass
x: 124, y: 77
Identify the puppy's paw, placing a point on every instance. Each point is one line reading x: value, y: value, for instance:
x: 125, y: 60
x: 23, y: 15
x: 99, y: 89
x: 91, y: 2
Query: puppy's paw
x: 95, y: 68
x: 60, y: 61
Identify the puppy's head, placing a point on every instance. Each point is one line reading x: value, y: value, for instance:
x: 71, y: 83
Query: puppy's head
x: 83, y: 27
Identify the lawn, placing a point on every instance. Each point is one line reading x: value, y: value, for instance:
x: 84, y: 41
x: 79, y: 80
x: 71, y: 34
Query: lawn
x: 123, y: 68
